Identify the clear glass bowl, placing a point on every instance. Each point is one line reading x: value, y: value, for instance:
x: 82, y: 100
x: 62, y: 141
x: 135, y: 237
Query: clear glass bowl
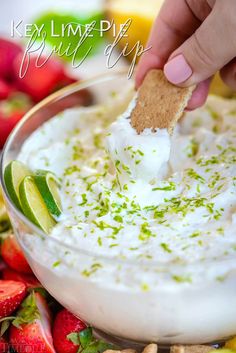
x: 125, y: 301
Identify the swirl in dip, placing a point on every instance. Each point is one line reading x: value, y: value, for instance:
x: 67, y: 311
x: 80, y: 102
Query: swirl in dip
x: 157, y: 213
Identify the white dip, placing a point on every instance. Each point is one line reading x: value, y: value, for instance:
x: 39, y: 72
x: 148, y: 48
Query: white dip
x: 162, y: 208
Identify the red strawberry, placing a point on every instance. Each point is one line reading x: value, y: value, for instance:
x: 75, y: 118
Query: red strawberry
x: 3, y: 345
x: 11, y: 295
x: 64, y: 324
x: 29, y: 280
x: 2, y: 265
x: 31, y: 330
x: 11, y: 111
x: 13, y: 255
x: 5, y: 89
x: 7, y: 125
x: 38, y: 82
x: 8, y: 52
x: 64, y: 81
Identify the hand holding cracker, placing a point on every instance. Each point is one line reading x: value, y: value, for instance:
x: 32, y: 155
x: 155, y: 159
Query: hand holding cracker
x: 192, y: 40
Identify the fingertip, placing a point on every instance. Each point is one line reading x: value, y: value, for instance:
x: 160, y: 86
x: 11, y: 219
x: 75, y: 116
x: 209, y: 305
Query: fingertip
x: 200, y: 95
x: 177, y: 70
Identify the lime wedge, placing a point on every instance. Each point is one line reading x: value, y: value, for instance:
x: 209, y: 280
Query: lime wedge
x: 34, y: 206
x: 48, y: 186
x: 14, y: 173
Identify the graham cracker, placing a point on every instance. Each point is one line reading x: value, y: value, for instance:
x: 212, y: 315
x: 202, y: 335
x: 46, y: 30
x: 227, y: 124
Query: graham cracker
x: 159, y: 103
x: 151, y: 348
x: 191, y: 349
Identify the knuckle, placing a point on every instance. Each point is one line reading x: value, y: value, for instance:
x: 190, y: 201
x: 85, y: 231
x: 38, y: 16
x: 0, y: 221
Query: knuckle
x: 201, y: 54
x: 199, y: 8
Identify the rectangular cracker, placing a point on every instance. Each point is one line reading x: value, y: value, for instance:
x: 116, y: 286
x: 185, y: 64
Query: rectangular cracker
x: 159, y: 103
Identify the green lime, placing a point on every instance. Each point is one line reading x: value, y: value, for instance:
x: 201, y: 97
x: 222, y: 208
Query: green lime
x: 14, y: 173
x: 66, y: 25
x: 48, y: 186
x: 33, y: 205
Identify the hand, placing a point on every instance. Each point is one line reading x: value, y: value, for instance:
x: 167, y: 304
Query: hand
x: 192, y: 40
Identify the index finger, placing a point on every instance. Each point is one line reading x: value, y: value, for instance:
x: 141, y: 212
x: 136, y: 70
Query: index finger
x: 176, y: 22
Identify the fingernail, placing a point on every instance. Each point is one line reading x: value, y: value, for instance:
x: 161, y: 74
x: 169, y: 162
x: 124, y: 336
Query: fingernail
x: 177, y: 70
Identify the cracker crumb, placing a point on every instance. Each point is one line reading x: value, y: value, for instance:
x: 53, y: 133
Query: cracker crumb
x: 159, y: 103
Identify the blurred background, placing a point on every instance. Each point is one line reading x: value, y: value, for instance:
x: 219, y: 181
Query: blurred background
x: 18, y: 95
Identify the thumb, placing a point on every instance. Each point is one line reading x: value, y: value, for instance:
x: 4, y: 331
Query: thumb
x: 209, y: 49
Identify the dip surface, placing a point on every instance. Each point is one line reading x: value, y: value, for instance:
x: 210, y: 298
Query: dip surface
x: 129, y: 210
x: 162, y: 209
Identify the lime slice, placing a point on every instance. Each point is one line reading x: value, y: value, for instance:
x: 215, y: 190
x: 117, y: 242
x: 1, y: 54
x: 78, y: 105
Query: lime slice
x: 34, y: 206
x: 14, y: 173
x: 48, y: 186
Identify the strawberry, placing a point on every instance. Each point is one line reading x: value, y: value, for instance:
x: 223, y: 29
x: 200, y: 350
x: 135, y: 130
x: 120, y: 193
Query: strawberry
x: 3, y: 345
x: 13, y: 255
x: 11, y: 111
x: 11, y: 295
x: 8, y: 52
x: 29, y: 280
x: 3, y: 265
x: 64, y: 81
x: 7, y: 125
x: 38, y: 82
x: 31, y: 330
x: 66, y: 323
x: 5, y: 89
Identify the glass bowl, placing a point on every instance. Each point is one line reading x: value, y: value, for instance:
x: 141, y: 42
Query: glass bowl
x: 127, y: 302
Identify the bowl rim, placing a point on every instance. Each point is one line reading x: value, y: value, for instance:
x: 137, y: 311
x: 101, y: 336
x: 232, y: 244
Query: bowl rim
x: 62, y: 93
